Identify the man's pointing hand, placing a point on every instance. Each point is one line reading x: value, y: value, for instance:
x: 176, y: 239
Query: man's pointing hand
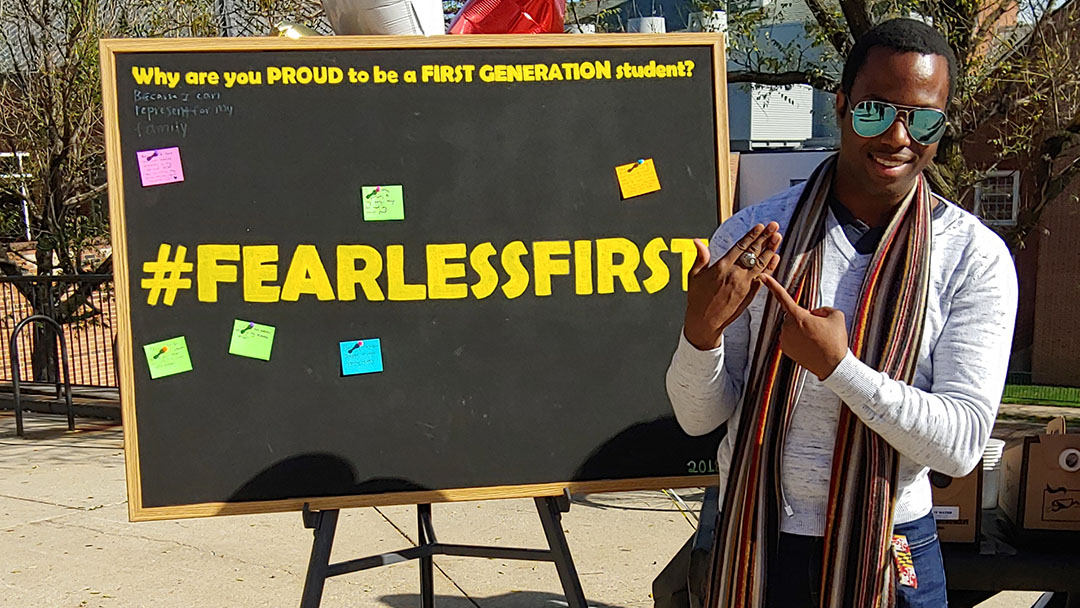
x: 815, y: 339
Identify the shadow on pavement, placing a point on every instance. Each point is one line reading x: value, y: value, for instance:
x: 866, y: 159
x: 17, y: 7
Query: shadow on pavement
x: 49, y: 427
x: 520, y: 599
x: 640, y: 500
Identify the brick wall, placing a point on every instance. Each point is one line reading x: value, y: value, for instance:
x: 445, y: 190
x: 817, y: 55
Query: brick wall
x: 1055, y: 354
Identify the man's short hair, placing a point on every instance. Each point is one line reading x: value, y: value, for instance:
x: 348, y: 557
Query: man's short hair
x: 901, y: 36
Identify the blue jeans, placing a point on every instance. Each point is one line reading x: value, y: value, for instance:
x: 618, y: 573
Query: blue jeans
x: 795, y: 572
x: 926, y: 554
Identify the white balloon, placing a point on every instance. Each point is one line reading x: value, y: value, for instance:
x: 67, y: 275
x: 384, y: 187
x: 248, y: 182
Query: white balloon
x: 393, y: 17
x: 646, y: 25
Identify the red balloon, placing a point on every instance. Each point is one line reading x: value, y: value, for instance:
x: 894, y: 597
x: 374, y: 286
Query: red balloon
x: 510, y: 17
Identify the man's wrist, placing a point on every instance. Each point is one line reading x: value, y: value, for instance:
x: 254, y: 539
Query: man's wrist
x: 706, y: 343
x: 697, y: 362
x: 855, y: 382
x: 709, y: 349
x: 830, y: 365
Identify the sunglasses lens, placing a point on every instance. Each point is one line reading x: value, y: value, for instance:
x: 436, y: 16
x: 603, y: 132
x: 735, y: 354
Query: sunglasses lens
x: 926, y: 126
x: 872, y: 118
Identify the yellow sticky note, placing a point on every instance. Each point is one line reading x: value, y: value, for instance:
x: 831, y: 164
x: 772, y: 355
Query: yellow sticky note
x: 637, y: 178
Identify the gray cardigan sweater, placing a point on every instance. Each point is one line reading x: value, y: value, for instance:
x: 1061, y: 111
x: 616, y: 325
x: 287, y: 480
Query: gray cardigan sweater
x: 941, y: 421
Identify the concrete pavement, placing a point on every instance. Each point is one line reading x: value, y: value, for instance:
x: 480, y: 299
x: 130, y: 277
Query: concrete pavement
x: 65, y: 542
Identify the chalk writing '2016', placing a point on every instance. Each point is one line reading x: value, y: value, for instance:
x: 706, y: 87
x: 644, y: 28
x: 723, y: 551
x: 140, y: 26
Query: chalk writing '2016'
x: 701, y: 467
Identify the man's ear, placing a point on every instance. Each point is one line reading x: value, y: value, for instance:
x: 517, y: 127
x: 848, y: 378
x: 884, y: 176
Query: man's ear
x: 841, y: 105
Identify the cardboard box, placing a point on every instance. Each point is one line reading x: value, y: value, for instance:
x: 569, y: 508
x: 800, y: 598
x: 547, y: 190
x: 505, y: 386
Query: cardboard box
x: 958, y: 505
x: 1040, y: 489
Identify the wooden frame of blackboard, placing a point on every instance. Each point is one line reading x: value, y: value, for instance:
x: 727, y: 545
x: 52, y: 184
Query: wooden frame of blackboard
x: 110, y: 48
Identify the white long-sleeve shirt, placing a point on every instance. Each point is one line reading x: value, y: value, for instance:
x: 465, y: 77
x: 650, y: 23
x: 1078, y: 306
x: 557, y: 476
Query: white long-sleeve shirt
x: 941, y: 421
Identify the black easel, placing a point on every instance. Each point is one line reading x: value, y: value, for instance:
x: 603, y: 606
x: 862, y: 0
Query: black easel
x: 324, y: 523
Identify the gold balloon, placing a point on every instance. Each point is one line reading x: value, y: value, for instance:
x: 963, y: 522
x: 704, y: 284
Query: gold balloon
x: 288, y: 29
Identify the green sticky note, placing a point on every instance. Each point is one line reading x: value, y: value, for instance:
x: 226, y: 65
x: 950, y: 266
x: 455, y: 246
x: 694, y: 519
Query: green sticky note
x: 167, y: 357
x: 250, y: 339
x: 382, y: 203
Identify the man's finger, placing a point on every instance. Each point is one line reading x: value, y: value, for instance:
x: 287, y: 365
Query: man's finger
x: 744, y: 243
x: 774, y: 242
x: 772, y: 265
x: 763, y: 260
x: 827, y: 311
x: 760, y: 242
x: 791, y: 307
x: 702, y: 257
x: 766, y: 257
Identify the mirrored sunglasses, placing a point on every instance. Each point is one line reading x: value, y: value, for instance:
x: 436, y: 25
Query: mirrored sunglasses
x: 872, y: 118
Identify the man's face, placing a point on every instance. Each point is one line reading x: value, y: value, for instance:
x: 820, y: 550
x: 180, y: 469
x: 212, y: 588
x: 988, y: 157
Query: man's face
x: 886, y: 166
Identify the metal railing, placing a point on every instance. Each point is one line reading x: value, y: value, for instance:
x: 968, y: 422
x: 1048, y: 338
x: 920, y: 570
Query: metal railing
x: 86, y: 308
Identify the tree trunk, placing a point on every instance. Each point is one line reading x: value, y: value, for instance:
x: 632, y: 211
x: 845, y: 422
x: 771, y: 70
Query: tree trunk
x: 44, y: 346
x: 44, y: 354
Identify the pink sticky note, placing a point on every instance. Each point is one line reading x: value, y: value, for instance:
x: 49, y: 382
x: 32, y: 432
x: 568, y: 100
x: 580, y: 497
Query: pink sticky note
x: 160, y: 166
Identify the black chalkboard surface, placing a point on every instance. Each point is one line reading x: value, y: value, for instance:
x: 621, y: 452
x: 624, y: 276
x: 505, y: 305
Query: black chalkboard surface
x: 357, y: 271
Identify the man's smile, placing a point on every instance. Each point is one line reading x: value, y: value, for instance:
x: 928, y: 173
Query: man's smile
x: 889, y: 165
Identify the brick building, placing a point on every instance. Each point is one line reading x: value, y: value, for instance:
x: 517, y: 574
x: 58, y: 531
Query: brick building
x: 1046, y: 348
x: 1049, y: 269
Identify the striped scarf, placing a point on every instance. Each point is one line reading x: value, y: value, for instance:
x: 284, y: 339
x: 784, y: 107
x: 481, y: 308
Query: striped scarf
x: 885, y: 333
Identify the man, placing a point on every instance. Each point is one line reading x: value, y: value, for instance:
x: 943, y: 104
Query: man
x: 880, y: 354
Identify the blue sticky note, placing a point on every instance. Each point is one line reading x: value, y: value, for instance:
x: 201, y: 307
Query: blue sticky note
x: 361, y: 356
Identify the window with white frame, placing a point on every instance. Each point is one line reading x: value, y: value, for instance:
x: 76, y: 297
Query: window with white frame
x: 997, y: 198
x: 12, y: 171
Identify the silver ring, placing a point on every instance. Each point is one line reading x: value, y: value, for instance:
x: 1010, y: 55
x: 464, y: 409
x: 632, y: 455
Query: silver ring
x: 748, y: 260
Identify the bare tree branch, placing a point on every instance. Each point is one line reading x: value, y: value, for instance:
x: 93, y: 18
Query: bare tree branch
x: 82, y: 197
x: 783, y: 79
x: 857, y: 17
x: 838, y: 35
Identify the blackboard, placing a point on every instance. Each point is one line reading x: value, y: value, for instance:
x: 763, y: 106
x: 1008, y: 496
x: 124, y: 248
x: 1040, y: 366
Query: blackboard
x: 515, y: 326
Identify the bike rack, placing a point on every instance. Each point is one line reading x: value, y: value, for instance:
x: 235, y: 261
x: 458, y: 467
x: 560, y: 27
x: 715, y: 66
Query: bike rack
x: 15, y: 380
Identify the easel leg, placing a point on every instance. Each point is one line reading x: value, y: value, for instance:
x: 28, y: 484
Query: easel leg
x: 427, y: 564
x: 324, y: 524
x: 551, y: 517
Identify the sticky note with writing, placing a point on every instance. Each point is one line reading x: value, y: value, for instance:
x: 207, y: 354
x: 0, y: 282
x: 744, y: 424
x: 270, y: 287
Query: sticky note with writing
x: 637, y: 178
x: 361, y: 356
x: 160, y: 166
x: 167, y: 357
x: 250, y: 339
x: 382, y: 203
